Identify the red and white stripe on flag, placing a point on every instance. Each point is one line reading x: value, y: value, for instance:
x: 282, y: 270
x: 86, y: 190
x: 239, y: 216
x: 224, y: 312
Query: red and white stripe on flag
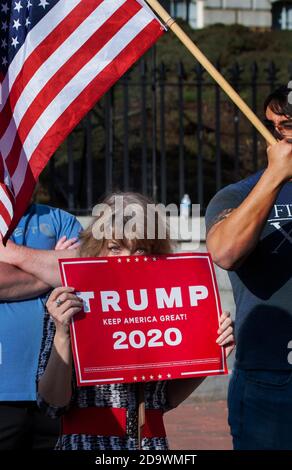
x: 68, y: 60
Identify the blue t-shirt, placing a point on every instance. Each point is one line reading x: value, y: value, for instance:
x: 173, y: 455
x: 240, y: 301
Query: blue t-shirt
x: 21, y: 322
x: 262, y: 285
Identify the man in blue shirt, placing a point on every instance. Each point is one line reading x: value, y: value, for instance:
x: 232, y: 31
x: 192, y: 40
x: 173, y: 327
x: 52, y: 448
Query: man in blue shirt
x: 21, y: 328
x: 249, y: 233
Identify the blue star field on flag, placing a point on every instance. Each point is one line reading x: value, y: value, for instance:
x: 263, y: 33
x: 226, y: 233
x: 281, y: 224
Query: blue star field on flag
x: 17, y: 18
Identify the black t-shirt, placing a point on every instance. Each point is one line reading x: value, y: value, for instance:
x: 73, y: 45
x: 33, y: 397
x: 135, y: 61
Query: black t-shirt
x: 262, y: 286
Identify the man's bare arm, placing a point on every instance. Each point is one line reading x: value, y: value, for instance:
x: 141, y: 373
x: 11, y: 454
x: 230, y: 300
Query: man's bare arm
x: 19, y: 285
x: 234, y: 235
x: 43, y: 264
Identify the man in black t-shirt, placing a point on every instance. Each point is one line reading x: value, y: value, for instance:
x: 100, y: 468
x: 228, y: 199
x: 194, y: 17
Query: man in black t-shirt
x: 249, y: 233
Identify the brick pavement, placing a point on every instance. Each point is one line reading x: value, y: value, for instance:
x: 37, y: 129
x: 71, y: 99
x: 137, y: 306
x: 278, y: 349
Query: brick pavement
x: 198, y: 425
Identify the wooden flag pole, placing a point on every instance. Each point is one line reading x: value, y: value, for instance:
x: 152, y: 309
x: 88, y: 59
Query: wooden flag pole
x: 202, y: 59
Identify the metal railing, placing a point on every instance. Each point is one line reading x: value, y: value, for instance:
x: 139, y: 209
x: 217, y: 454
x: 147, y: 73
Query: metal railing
x: 163, y: 133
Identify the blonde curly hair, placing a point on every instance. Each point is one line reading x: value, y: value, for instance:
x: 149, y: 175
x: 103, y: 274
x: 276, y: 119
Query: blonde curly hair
x: 92, y: 246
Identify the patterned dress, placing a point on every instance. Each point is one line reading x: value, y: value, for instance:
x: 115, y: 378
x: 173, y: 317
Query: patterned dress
x: 114, y: 395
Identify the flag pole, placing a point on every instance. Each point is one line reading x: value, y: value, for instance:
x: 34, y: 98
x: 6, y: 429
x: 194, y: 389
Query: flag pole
x: 215, y: 74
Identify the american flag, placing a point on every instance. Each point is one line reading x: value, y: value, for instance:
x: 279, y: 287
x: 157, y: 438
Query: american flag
x: 57, y: 58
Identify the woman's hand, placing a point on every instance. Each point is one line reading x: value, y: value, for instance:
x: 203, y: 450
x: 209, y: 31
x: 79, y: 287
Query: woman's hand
x: 62, y: 304
x: 226, y: 333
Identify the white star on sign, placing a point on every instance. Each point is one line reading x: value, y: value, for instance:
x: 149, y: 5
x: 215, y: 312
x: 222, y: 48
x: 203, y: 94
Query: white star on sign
x: 135, y: 378
x: 27, y: 22
x: 145, y: 259
x: 151, y: 377
x: 168, y: 376
x: 136, y: 259
x: 3, y: 43
x: 5, y: 8
x: 43, y: 3
x: 154, y: 259
x: 128, y: 260
x: 18, y: 6
x: 160, y: 376
x: 119, y: 260
x: 143, y: 377
x: 14, y: 42
x: 29, y: 4
x: 4, y: 61
x: 16, y: 24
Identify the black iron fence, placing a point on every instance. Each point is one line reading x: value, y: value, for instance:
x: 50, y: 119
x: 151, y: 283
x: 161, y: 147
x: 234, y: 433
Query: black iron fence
x: 164, y: 133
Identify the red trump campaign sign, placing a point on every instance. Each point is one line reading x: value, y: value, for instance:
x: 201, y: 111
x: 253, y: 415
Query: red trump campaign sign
x: 145, y: 318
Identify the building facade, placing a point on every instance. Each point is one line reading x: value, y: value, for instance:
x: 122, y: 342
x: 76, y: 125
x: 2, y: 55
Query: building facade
x: 275, y: 14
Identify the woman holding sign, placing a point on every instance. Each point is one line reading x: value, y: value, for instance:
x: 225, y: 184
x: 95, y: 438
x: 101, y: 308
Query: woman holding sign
x: 105, y: 417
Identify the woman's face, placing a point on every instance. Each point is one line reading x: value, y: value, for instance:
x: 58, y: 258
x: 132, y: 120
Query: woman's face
x: 116, y: 248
